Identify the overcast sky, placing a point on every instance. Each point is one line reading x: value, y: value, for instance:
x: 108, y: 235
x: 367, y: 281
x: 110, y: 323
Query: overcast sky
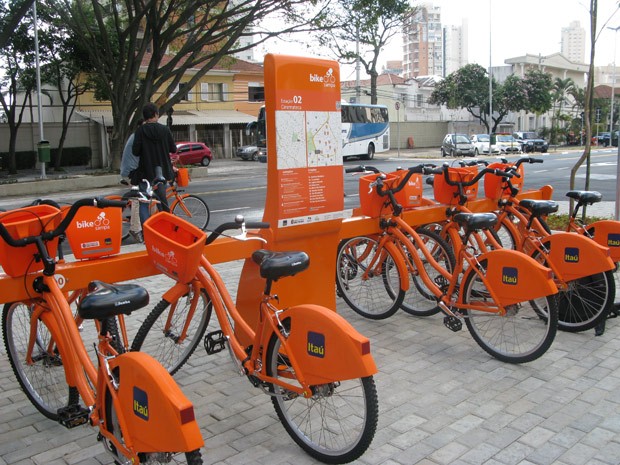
x: 516, y: 28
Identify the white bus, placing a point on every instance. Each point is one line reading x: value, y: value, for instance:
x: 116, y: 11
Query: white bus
x: 365, y: 130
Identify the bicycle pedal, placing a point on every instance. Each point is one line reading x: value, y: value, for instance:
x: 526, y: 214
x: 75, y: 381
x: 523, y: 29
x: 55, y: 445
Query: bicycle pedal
x: 73, y: 415
x: 452, y: 323
x: 215, y: 342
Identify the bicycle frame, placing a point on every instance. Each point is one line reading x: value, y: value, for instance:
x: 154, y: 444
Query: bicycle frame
x: 534, y: 278
x: 347, y: 357
x: 171, y: 428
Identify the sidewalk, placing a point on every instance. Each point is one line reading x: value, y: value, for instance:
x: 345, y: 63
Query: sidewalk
x: 442, y: 401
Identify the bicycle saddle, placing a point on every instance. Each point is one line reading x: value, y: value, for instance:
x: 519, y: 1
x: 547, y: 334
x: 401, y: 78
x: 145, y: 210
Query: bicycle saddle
x: 108, y: 300
x: 539, y: 207
x: 475, y: 221
x: 275, y: 265
x: 585, y: 197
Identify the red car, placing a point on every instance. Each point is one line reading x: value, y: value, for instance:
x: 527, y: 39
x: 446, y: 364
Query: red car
x: 193, y: 153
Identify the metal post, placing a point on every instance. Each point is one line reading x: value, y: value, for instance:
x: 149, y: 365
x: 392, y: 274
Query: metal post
x: 611, y: 126
x: 490, y: 84
x: 38, y: 70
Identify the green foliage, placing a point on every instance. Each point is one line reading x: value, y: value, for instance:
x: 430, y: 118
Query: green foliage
x: 468, y: 88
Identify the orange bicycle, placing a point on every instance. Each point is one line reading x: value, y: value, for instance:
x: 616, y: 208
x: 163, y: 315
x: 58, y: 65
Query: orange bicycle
x: 317, y: 369
x: 583, y: 269
x: 140, y: 412
x: 506, y: 298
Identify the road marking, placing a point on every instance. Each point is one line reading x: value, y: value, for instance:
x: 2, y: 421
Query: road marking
x: 231, y: 209
x: 600, y: 177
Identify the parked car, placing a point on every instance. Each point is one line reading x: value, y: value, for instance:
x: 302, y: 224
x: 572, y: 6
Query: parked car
x: 248, y: 152
x: 481, y: 144
x: 530, y: 142
x: 604, y: 139
x: 456, y: 145
x: 507, y: 144
x: 193, y: 153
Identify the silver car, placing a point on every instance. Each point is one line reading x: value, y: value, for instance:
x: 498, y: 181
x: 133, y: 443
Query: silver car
x: 456, y: 145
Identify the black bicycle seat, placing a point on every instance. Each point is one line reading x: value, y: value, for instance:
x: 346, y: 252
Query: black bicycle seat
x: 585, y: 197
x: 275, y: 265
x: 539, y: 207
x: 475, y: 221
x: 108, y: 300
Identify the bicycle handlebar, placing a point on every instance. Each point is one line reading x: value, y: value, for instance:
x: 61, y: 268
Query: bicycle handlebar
x: 99, y: 202
x: 239, y: 223
x: 496, y: 171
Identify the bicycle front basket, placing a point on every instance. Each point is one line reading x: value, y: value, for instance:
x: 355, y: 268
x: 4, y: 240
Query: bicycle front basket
x: 494, y: 186
x: 24, y: 222
x: 411, y: 194
x: 183, y: 177
x: 445, y: 193
x: 371, y: 203
x: 174, y: 245
x: 95, y: 232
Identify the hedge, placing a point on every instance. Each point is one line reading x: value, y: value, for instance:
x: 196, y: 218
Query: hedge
x: 71, y: 156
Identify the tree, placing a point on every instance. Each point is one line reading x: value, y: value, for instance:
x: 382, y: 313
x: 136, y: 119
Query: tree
x: 66, y: 62
x: 139, y: 48
x: 561, y: 89
x: 362, y: 29
x: 468, y: 88
x: 16, y: 80
x: 11, y: 15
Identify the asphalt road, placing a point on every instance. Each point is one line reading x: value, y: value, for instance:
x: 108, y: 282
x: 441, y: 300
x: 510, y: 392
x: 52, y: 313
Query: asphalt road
x: 237, y: 187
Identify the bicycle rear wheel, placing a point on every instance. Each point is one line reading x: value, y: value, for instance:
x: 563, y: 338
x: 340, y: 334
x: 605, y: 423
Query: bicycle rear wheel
x: 336, y: 424
x: 522, y: 335
x: 192, y: 208
x: 160, y: 333
x: 586, y: 302
x: 373, y: 293
x: 112, y: 425
x: 43, y: 381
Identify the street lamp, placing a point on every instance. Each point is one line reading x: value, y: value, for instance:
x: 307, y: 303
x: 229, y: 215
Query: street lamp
x: 611, y: 125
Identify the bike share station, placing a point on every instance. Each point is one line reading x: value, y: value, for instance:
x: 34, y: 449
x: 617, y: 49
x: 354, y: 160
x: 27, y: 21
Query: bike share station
x: 304, y: 203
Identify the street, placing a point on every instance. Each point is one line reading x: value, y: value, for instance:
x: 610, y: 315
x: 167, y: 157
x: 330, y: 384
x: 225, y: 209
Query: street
x: 235, y: 187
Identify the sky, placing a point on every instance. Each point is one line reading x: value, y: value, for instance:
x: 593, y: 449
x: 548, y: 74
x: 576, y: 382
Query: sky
x: 515, y: 29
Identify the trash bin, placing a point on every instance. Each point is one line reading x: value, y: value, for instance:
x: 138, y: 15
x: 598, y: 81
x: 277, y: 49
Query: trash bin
x: 43, y: 147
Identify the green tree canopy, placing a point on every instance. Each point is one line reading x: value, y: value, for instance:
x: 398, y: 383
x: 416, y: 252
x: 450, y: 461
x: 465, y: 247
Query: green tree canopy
x: 468, y: 88
x: 361, y: 29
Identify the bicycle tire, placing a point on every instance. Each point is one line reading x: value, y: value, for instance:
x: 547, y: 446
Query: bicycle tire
x: 590, y: 231
x: 44, y: 381
x: 419, y: 300
x: 197, y: 212
x: 336, y: 424
x: 522, y: 335
x: 163, y: 344
x: 371, y: 296
x: 505, y: 235
x: 112, y: 425
x: 586, y: 302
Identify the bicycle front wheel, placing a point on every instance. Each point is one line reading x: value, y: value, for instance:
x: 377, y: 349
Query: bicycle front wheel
x: 419, y: 300
x: 375, y: 292
x: 523, y: 334
x: 172, y: 336
x: 336, y: 424
x: 192, y: 208
x: 43, y: 381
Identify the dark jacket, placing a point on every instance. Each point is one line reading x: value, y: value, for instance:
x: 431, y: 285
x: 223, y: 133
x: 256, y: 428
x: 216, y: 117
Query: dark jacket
x: 152, y: 144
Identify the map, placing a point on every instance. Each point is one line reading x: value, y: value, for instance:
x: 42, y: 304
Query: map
x: 310, y: 139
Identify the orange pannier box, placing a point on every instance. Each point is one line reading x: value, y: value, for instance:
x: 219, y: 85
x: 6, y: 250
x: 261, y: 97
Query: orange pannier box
x: 95, y: 232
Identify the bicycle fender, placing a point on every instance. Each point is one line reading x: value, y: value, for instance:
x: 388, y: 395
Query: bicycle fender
x: 515, y: 277
x: 159, y: 416
x: 402, y: 268
x: 577, y: 256
x: 607, y: 234
x: 325, y: 345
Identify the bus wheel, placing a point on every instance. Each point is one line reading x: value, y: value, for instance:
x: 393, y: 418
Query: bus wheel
x: 371, y: 152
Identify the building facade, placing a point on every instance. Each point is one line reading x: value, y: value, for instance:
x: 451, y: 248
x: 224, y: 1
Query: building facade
x: 423, y: 43
x: 574, y: 42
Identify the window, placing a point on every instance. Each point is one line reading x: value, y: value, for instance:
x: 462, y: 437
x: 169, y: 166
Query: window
x: 256, y: 92
x: 213, y: 91
x: 185, y: 90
